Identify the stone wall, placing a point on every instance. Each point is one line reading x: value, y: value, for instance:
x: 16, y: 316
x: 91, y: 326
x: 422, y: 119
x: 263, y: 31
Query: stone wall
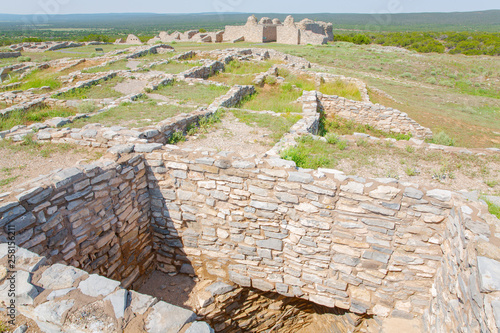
x: 253, y: 34
x: 93, y: 217
x: 378, y: 116
x: 288, y: 35
x: 466, y: 291
x: 61, y: 298
x: 364, y: 245
x: 4, y: 55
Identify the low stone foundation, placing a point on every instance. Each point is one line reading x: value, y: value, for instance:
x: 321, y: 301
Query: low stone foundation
x: 378, y: 116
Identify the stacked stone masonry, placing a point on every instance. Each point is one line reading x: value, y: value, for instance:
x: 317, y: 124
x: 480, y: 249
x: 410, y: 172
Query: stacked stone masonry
x: 94, y: 217
x: 378, y: 116
x: 60, y: 298
x: 371, y: 247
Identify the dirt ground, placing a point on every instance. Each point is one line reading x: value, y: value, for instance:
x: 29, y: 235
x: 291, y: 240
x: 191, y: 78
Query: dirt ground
x: 173, y: 289
x: 23, y: 167
x: 232, y: 135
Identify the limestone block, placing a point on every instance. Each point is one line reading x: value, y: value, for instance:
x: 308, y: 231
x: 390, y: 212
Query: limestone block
x: 96, y: 285
x: 20, y: 283
x: 199, y: 327
x: 168, y: 318
x: 60, y: 276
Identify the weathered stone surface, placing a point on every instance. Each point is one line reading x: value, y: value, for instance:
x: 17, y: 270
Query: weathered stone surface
x: 118, y: 300
x: 147, y: 147
x: 199, y: 327
x: 273, y: 244
x: 96, y: 285
x: 19, y: 283
x: 219, y: 288
x: 166, y: 317
x: 489, y: 271
x: 385, y: 192
x: 60, y: 276
x: 121, y: 149
x: 300, y: 177
x: 53, y: 312
x: 140, y: 303
x: 441, y: 195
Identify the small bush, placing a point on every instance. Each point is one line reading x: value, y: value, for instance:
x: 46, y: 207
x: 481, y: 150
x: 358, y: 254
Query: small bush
x: 431, y: 80
x: 332, y: 138
x: 202, y: 30
x: 176, y: 137
x: 23, y: 59
x: 443, y: 139
x: 411, y: 171
x: 447, y: 83
x: 410, y: 149
x: 87, y: 107
x: 270, y: 80
x: 342, y: 145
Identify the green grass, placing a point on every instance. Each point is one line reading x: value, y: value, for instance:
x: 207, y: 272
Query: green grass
x: 439, y: 107
x: 277, y: 125
x: 493, y: 209
x: 35, y: 115
x: 277, y: 98
x: 38, y: 79
x: 174, y: 67
x: 99, y: 91
x: 248, y: 67
x: 3, y: 105
x: 31, y: 147
x: 312, y: 154
x: 199, y: 93
x: 343, y: 126
x: 133, y: 115
x: 232, y: 79
x: 443, y: 139
x: 115, y: 66
x: 341, y: 88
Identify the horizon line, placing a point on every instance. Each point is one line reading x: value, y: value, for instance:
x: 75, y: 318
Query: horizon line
x: 236, y: 13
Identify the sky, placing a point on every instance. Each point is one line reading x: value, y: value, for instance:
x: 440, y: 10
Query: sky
x: 53, y: 7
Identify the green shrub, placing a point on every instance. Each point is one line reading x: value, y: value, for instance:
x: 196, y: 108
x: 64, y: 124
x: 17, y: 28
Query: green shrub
x: 342, y: 145
x: 411, y: 171
x: 202, y: 30
x: 87, y: 107
x: 332, y: 138
x: 493, y: 209
x: 443, y: 139
x: 23, y: 59
x: 447, y: 83
x: 176, y: 137
x: 431, y: 80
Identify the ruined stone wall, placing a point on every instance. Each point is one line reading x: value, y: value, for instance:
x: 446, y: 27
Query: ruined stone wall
x: 466, y: 294
x: 378, y: 116
x: 251, y: 33
x: 269, y: 33
x: 4, y: 55
x: 62, y: 298
x: 288, y: 35
x: 348, y: 242
x: 308, y: 37
x: 93, y: 217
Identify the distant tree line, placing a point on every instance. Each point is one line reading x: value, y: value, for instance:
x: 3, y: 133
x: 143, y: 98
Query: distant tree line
x: 468, y: 43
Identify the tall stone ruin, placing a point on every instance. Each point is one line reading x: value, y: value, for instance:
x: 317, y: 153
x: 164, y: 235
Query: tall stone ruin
x: 266, y: 30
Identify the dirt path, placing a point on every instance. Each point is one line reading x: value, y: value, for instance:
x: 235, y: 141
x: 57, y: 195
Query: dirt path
x: 232, y: 135
x: 131, y: 86
x: 133, y: 64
